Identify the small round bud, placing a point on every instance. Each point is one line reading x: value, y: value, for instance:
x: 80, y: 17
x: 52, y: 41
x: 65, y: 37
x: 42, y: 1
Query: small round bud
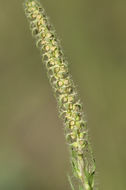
x: 56, y: 70
x: 65, y: 99
x: 81, y: 135
x: 36, y: 12
x: 53, y: 48
x: 75, y: 144
x: 47, y: 48
x: 39, y: 17
x: 70, y: 99
x: 33, y: 15
x: 48, y: 35
x: 60, y: 83
x: 72, y: 123
x: 66, y: 82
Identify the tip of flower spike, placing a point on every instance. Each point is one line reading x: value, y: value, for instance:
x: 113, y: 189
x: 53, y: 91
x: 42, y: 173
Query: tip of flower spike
x: 31, y: 2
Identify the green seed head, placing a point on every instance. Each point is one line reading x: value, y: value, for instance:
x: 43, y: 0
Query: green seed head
x: 69, y: 104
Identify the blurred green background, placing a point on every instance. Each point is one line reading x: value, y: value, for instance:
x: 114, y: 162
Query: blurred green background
x: 33, y: 151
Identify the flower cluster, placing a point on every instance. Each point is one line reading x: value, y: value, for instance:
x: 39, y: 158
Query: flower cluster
x: 70, y: 107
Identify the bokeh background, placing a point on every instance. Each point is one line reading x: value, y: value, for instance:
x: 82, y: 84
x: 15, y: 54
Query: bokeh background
x: 33, y: 151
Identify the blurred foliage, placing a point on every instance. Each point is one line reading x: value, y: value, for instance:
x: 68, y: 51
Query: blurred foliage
x: 33, y: 152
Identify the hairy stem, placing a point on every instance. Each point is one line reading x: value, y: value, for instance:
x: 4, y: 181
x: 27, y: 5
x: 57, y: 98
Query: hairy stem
x: 70, y: 106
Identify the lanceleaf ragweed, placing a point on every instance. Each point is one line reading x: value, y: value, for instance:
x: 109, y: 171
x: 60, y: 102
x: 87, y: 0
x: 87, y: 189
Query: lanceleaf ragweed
x: 70, y: 107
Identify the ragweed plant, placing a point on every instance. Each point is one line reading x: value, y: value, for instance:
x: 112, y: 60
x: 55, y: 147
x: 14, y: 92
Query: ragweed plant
x: 70, y: 106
